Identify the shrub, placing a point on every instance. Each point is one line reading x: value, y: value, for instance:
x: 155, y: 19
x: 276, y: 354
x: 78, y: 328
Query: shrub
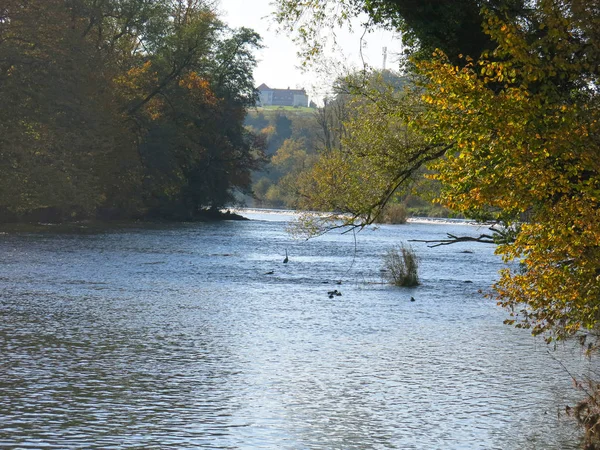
x: 401, y: 266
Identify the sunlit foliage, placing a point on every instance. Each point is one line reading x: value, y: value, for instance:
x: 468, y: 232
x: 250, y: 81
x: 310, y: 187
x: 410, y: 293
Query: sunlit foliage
x: 518, y: 117
x: 377, y: 159
x: 524, y: 126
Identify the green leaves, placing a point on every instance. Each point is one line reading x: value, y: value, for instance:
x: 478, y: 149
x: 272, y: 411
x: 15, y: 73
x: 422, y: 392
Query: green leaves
x: 122, y: 105
x: 510, y: 133
x: 377, y: 158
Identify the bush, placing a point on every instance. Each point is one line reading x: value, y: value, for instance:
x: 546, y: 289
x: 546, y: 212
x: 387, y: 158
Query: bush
x: 401, y: 266
x: 393, y: 214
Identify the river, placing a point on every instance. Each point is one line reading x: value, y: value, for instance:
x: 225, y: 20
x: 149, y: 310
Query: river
x: 178, y: 336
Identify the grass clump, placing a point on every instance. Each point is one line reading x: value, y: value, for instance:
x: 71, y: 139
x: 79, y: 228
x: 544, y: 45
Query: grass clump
x: 401, y: 266
x: 393, y: 214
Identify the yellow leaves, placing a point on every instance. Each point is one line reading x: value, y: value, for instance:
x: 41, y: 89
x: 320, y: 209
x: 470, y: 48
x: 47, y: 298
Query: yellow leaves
x: 31, y: 129
x: 561, y: 257
x: 193, y: 81
x: 522, y: 149
x: 136, y: 77
x: 138, y: 82
x: 199, y: 87
x: 154, y: 111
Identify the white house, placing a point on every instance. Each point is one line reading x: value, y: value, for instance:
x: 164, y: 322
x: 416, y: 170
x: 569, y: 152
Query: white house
x: 281, y: 97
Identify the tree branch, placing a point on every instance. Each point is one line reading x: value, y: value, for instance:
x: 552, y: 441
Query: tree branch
x: 452, y: 239
x: 415, y: 163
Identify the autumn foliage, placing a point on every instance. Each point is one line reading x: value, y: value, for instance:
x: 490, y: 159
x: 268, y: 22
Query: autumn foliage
x: 122, y: 108
x: 523, y: 121
x: 510, y: 133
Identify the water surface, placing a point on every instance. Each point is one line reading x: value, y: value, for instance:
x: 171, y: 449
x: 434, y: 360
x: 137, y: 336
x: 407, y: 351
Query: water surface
x: 176, y: 336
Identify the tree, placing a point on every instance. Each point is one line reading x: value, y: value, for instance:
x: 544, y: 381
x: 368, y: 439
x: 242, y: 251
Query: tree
x: 426, y: 25
x: 524, y: 133
x: 122, y: 107
x: 378, y: 159
x: 58, y: 126
x: 518, y: 129
x: 195, y: 147
x: 289, y: 156
x: 330, y: 119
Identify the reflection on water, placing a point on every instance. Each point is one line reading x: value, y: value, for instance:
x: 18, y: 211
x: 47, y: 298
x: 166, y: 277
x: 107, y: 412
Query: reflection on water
x: 177, y: 337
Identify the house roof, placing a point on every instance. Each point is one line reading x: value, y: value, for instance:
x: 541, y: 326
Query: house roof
x: 264, y: 87
x: 291, y: 91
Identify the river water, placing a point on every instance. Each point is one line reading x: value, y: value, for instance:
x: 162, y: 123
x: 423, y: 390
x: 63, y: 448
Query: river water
x: 177, y: 336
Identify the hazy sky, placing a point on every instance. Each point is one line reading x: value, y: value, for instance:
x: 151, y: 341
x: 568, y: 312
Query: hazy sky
x: 278, y: 65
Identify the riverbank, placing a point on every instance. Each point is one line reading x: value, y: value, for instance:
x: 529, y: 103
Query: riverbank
x: 95, y: 225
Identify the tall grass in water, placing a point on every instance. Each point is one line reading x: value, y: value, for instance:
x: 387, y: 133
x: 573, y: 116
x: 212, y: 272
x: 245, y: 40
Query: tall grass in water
x: 402, y: 266
x: 393, y: 214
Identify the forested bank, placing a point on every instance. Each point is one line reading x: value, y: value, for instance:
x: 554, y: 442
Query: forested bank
x: 122, y: 108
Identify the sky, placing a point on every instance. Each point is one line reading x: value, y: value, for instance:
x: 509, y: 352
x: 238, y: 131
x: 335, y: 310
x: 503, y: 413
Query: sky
x: 278, y: 63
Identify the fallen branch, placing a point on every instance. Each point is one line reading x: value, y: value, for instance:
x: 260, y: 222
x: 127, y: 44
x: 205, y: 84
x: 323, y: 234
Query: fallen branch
x: 452, y: 239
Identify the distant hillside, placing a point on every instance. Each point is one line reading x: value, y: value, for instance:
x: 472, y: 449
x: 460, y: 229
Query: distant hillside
x: 286, y: 109
x: 278, y: 123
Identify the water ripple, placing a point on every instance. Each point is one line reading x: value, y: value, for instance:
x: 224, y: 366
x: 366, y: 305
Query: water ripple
x: 176, y: 337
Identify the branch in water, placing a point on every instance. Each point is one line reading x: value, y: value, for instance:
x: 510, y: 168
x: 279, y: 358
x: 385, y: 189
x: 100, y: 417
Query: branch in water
x: 452, y: 239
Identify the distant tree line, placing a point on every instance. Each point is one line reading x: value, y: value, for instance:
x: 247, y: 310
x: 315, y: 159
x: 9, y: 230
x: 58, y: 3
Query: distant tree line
x: 305, y: 149
x: 292, y: 142
x: 122, y: 108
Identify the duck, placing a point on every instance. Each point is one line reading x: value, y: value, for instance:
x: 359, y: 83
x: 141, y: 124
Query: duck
x: 334, y: 293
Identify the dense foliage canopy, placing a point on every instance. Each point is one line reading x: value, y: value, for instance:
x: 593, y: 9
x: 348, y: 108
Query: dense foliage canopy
x: 121, y: 108
x: 425, y: 25
x: 523, y: 121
